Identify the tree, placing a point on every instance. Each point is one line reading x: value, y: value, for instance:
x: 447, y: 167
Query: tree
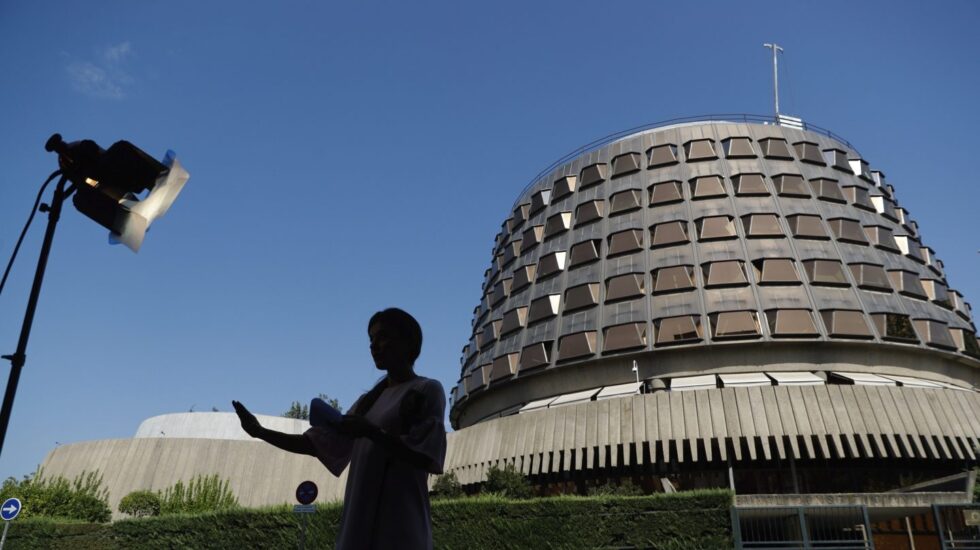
x: 140, y: 504
x: 447, y: 486
x: 302, y: 412
x: 508, y: 482
x: 84, y: 498
x: 202, y: 494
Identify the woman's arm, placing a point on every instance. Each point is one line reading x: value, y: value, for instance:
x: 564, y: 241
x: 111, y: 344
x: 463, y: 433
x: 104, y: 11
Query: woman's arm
x: 358, y: 426
x: 298, y: 444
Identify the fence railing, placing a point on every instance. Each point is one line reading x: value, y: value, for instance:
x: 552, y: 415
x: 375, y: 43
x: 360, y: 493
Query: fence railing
x: 605, y: 140
x: 802, y: 527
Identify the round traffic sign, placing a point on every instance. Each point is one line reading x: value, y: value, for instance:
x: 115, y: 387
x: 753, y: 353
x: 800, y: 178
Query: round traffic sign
x: 10, y: 508
x: 306, y: 492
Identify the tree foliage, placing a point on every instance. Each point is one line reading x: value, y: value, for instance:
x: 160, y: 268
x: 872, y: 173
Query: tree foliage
x: 447, y: 486
x: 83, y: 498
x: 302, y: 412
x: 626, y: 488
x: 201, y: 494
x: 508, y: 482
x: 140, y: 504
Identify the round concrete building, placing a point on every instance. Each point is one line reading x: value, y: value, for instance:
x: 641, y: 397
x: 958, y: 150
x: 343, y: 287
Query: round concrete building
x: 736, y: 303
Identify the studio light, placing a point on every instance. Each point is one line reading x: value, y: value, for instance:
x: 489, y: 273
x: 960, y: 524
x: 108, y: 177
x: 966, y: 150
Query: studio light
x: 121, y: 188
x: 109, y: 185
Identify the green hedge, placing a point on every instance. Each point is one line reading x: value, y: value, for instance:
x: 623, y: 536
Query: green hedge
x: 689, y: 521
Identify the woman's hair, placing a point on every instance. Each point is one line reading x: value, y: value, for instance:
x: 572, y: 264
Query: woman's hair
x: 405, y: 326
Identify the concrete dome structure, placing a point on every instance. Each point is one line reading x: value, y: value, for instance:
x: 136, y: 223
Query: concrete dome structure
x: 777, y: 301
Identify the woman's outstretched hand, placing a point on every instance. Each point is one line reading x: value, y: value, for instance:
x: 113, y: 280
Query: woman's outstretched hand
x: 249, y: 423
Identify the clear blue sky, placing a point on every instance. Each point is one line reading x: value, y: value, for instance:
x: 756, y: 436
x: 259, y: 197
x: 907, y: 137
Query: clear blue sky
x: 348, y: 156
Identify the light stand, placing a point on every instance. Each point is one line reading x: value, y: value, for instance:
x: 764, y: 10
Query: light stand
x: 19, y: 357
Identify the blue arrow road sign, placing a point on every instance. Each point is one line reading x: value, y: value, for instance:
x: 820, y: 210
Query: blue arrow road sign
x: 10, y: 509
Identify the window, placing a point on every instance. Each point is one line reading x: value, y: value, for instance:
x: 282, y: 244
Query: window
x: 626, y: 164
x: 726, y: 273
x: 881, y: 237
x: 775, y: 271
x: 551, y: 264
x: 676, y: 278
x: 584, y: 252
x: 539, y: 200
x: 907, y: 283
x: 593, y: 174
x: 700, y: 149
x: 791, y: 323
x: 558, y: 223
x: 909, y: 247
x: 624, y: 201
x: 738, y: 148
x: 934, y: 333
x: 734, y: 325
x: 937, y: 293
x: 805, y: 226
x: 827, y: 189
x: 523, y: 276
x: 859, y: 197
x: 706, y: 187
x: 626, y: 336
x: 848, y: 231
x: 677, y: 330
x: 825, y: 272
x: 519, y: 217
x: 476, y: 379
x: 809, y: 152
x: 749, y: 184
x: 588, y: 212
x: 511, y: 251
x: 531, y: 237
x: 846, y: 323
x: 716, y: 228
x: 966, y: 342
x: 665, y: 193
x: 762, y: 225
x: 624, y: 287
x: 504, y: 366
x: 790, y: 185
x: 543, y: 308
x: 563, y: 187
x: 669, y: 233
x: 514, y: 320
x: 535, y: 356
x: 579, y: 344
x: 894, y: 326
x: 625, y: 242
x: 501, y: 290
x: 775, y: 148
x: 661, y: 155
x: 581, y: 297
x: 870, y: 277
x: 837, y: 160
x: 885, y: 207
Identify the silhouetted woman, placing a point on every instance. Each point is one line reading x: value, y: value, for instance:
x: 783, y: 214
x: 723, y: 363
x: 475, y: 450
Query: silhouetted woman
x: 392, y: 438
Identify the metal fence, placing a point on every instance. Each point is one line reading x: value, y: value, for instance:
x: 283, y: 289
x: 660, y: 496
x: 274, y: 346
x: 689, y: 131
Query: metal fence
x: 958, y: 526
x: 802, y: 528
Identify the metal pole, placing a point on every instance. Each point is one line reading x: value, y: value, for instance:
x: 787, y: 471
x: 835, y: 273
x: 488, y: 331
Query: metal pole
x: 19, y: 357
x: 775, y: 74
x: 302, y: 534
x: 3, y: 539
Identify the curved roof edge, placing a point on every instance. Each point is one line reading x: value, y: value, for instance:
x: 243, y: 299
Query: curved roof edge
x: 212, y: 425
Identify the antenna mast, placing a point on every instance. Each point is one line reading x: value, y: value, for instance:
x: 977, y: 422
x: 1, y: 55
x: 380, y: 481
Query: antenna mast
x: 775, y: 73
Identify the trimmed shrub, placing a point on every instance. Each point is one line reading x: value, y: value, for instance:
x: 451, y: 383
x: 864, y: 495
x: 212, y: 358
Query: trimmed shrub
x: 84, y: 498
x: 202, y: 494
x: 140, y: 504
x: 507, y: 482
x: 677, y: 521
x: 447, y: 486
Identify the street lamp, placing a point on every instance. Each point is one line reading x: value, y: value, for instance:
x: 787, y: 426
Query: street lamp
x: 121, y: 188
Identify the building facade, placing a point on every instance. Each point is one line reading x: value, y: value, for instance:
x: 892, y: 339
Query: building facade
x: 718, y: 303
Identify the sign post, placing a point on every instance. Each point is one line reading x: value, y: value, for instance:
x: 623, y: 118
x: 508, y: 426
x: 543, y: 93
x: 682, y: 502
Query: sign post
x: 8, y: 511
x: 305, y: 494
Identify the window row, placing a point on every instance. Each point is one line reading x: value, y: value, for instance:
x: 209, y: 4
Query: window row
x: 738, y: 325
